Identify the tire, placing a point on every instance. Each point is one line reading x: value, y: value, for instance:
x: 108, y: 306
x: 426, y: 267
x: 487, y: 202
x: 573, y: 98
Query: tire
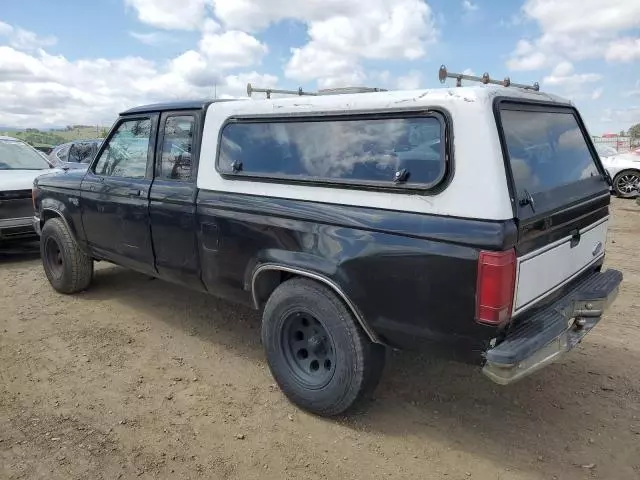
x: 68, y: 269
x: 621, y: 183
x: 348, y: 365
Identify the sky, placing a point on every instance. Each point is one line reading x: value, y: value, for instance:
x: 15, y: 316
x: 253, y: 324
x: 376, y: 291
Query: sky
x: 78, y: 62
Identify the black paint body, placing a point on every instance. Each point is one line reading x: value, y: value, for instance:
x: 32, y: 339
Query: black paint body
x: 411, y: 277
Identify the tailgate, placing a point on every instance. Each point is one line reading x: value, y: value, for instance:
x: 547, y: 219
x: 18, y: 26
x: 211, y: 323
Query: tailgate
x: 544, y: 270
x: 561, y: 197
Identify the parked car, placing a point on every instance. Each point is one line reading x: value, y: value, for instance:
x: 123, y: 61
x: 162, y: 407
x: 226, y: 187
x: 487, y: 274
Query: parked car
x: 624, y: 169
x: 76, y: 154
x: 484, y: 239
x: 20, y: 164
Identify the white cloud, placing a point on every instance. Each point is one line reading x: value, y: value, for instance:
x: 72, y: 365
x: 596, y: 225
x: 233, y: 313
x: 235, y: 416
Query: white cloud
x: 468, y: 6
x: 576, y: 30
x: 468, y: 71
x: 563, y: 69
x: 256, y: 14
x: 571, y: 83
x: 565, y: 81
x: 231, y: 49
x: 170, y: 14
x: 623, y: 50
x: 411, y: 81
x: 24, y: 39
x: 531, y: 61
x: 579, y: 16
x: 575, y: 79
x: 341, y: 32
x: 381, y: 29
x: 626, y: 116
x: 332, y: 70
x: 41, y: 89
x: 151, y: 38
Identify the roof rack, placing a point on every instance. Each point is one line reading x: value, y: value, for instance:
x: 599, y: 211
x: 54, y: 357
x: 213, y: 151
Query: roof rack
x: 443, y: 74
x: 327, y: 91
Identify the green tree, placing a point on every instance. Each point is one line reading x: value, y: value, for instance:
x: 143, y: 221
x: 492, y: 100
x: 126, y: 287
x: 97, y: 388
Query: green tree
x: 634, y: 131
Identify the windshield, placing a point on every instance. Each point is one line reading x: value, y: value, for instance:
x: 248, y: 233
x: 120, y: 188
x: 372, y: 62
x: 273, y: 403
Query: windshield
x: 546, y: 150
x: 20, y: 156
x: 605, y: 150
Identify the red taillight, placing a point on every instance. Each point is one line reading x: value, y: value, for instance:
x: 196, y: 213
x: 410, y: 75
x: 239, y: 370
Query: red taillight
x: 496, y: 283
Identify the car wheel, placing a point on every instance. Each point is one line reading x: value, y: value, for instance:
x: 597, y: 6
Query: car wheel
x: 316, y: 350
x: 627, y: 183
x: 68, y: 269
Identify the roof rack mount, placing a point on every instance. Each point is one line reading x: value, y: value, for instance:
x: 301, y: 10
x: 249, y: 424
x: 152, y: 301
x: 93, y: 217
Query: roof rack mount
x: 443, y: 74
x: 327, y: 91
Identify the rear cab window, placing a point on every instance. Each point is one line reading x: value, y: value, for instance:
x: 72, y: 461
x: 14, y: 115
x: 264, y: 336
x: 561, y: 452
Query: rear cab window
x: 548, y: 155
x: 406, y: 152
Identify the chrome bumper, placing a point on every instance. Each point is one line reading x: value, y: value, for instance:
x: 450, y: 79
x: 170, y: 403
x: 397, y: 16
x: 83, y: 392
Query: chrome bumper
x: 544, y: 337
x: 35, y: 221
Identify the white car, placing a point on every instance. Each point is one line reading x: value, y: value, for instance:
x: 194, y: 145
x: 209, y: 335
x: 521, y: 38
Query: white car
x: 20, y: 164
x: 624, y: 169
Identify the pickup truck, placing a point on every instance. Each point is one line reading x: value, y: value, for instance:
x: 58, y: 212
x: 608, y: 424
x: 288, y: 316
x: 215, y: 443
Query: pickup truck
x: 467, y: 221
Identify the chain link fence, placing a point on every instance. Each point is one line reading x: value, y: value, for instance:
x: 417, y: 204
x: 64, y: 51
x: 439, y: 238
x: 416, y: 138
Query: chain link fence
x: 621, y: 144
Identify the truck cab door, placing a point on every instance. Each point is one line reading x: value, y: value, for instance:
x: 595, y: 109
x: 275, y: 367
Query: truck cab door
x: 115, y: 195
x: 172, y: 199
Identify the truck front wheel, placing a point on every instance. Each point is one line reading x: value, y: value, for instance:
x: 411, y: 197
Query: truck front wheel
x: 68, y: 269
x: 316, y: 351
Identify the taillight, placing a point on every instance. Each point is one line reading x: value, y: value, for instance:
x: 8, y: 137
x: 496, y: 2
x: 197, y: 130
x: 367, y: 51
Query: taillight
x: 495, y: 288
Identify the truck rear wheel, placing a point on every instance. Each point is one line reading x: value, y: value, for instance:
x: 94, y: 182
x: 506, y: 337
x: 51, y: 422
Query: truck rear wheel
x: 316, y: 351
x: 68, y: 268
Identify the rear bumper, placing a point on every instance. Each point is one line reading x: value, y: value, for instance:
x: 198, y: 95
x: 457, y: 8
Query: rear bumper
x: 12, y: 228
x: 547, y: 334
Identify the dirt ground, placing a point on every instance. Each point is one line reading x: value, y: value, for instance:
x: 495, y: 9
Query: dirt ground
x: 137, y: 378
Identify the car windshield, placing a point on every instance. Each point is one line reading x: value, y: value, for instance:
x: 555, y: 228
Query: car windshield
x: 605, y: 150
x: 16, y: 155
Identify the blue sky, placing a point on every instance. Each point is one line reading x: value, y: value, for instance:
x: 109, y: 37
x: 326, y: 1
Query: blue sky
x: 73, y: 61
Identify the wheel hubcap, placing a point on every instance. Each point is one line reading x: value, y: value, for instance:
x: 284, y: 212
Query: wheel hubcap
x: 628, y: 183
x: 308, y: 350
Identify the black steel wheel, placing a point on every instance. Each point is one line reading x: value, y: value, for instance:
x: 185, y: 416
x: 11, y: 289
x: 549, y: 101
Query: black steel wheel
x: 308, y: 349
x: 316, y: 350
x: 626, y: 184
x: 52, y: 257
x: 67, y: 267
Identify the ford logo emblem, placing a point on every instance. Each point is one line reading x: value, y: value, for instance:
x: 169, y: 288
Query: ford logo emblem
x: 597, y: 249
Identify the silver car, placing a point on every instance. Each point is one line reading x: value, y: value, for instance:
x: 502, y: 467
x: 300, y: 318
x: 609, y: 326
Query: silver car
x: 76, y: 154
x: 624, y: 169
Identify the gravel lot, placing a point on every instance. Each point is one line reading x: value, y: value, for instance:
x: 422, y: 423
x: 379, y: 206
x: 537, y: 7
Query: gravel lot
x: 137, y: 378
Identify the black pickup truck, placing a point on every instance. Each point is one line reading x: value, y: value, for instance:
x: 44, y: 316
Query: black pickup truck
x: 343, y: 219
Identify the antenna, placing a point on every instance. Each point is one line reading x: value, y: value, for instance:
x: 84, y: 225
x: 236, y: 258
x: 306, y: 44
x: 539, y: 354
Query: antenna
x: 327, y: 91
x: 443, y: 74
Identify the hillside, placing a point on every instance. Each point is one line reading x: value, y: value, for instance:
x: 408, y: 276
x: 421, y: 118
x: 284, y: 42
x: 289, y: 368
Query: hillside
x: 51, y: 138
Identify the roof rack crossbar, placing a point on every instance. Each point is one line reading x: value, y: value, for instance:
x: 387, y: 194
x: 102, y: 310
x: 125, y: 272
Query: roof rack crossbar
x: 251, y: 89
x: 443, y: 74
x: 328, y: 91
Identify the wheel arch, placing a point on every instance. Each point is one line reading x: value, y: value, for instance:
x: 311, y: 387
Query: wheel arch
x: 267, y: 277
x: 50, y: 212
